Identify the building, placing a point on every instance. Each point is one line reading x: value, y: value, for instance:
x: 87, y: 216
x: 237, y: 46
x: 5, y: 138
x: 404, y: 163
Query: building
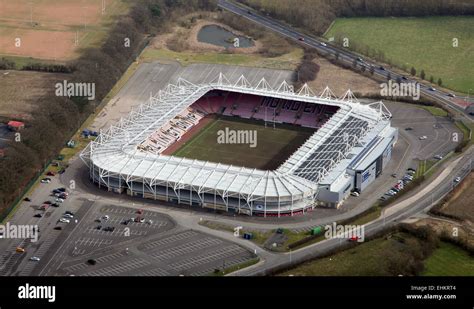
x: 345, y: 154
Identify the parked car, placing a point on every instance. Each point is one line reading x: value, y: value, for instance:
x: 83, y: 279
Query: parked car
x: 20, y: 250
x: 45, y: 180
x: 34, y: 259
x: 58, y: 228
x: 59, y: 200
x: 422, y: 138
x: 432, y: 89
x: 68, y: 216
x: 44, y: 207
x: 69, y: 212
x: 38, y: 215
x: 438, y: 157
x: 355, y: 193
x: 457, y: 179
x: 106, y: 217
x: 301, y: 39
x: 50, y: 173
x: 55, y: 204
x: 64, y: 220
x: 323, y: 44
x: 27, y: 199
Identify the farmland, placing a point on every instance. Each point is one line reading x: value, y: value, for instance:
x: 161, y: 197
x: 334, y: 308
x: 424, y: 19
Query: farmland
x: 423, y: 43
x: 48, y: 29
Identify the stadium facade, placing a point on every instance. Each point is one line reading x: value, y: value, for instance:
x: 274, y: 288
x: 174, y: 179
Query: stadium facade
x: 347, y: 152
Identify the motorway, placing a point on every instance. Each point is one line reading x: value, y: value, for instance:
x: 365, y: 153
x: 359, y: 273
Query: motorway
x: 344, y: 55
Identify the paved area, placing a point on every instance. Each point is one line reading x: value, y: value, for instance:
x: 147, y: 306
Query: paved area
x: 141, y: 249
x: 438, y: 130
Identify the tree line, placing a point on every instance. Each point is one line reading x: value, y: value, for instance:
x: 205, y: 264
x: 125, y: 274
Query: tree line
x: 56, y: 119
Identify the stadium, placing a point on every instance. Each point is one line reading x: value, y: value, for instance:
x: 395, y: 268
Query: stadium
x: 312, y: 150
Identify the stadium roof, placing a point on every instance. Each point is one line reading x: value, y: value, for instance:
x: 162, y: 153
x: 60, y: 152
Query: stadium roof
x: 115, y: 151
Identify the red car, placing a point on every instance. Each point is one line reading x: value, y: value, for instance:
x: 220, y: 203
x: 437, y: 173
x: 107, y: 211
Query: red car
x: 44, y: 207
x: 50, y: 174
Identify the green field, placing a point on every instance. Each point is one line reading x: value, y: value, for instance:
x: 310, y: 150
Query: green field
x: 273, y: 146
x: 423, y: 43
x: 449, y: 260
x: 371, y: 259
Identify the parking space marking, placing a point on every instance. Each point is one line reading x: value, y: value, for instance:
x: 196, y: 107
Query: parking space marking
x: 186, y: 248
x: 119, y: 268
x: 212, y: 256
x: 168, y: 240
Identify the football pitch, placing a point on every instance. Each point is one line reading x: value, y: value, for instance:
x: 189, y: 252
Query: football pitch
x: 260, y: 147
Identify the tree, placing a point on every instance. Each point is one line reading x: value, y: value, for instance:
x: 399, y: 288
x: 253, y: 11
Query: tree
x: 431, y: 79
x: 422, y: 74
x: 413, y: 71
x: 440, y: 82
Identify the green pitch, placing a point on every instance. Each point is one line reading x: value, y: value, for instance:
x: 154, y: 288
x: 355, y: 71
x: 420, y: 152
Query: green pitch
x: 272, y: 146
